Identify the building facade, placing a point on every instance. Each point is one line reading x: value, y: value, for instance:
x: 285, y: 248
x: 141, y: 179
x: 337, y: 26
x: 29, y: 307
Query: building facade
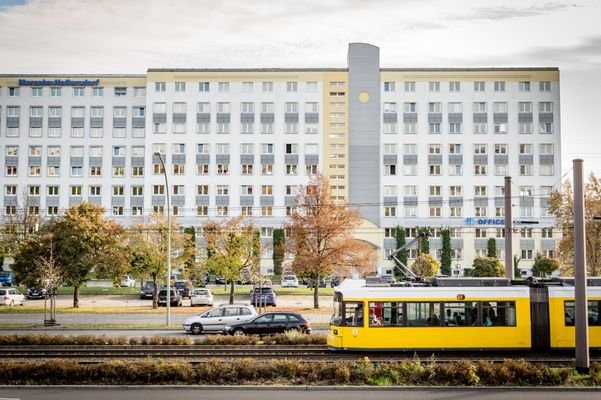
x: 407, y: 147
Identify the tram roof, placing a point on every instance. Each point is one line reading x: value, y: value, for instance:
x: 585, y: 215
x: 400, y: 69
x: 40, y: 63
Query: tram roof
x: 357, y: 289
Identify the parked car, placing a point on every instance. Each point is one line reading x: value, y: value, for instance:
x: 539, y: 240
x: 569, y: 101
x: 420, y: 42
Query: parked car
x: 36, y: 293
x: 335, y: 281
x: 175, y: 298
x: 201, y: 297
x: 147, y: 290
x: 219, y: 280
x: 263, y: 295
x: 215, y: 319
x: 311, y: 283
x: 6, y: 278
x: 11, y: 296
x: 290, y: 281
x: 269, y: 324
x: 128, y: 281
x: 184, y: 288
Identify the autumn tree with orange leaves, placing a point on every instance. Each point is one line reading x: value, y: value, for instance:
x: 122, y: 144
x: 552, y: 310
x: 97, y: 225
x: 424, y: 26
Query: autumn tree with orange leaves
x: 319, y: 235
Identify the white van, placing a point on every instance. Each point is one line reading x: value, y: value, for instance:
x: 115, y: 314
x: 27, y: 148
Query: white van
x: 216, y: 318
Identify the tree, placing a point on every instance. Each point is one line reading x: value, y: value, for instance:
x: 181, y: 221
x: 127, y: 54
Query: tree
x: 81, y: 241
x: 84, y: 241
x: 516, y: 265
x: 425, y: 266
x: 561, y: 205
x: 320, y: 234
x: 148, y: 246
x: 487, y: 267
x: 33, y: 250
x: 544, y: 266
x: 18, y: 226
x: 191, y: 267
x: 148, y: 256
x: 491, y: 248
x: 402, y: 255
x: 445, y: 256
x: 423, y: 246
x: 233, y: 246
x: 278, y: 250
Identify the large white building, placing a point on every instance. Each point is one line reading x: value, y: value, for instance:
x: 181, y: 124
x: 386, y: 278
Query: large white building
x: 407, y: 147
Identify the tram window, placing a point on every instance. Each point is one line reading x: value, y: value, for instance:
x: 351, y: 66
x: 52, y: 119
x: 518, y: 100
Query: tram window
x: 353, y: 314
x: 594, y: 306
x: 386, y: 314
x: 498, y: 313
x: 423, y: 314
x: 455, y: 314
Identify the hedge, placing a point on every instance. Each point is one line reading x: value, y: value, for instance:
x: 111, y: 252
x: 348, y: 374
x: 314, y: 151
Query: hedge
x: 288, y: 372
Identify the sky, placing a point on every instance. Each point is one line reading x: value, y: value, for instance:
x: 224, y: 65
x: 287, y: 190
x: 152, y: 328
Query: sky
x: 130, y: 36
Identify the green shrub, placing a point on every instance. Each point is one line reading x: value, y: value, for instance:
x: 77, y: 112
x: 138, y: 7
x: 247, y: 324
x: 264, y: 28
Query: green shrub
x: 290, y: 372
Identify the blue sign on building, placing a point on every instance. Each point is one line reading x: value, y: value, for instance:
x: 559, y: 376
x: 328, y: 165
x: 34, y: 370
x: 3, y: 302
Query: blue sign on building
x: 484, y: 221
x: 58, y: 82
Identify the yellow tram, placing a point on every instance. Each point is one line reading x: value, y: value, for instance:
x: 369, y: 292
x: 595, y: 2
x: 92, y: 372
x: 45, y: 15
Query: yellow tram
x: 469, y: 313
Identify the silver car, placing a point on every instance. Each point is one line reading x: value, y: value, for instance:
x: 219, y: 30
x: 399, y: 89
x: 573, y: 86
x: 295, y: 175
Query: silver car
x: 201, y: 297
x: 216, y: 318
x: 11, y: 296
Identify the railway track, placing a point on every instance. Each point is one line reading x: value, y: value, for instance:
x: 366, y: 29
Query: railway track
x: 199, y: 354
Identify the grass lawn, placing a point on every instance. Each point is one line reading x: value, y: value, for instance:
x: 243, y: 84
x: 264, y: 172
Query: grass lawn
x: 84, y: 290
x: 217, y: 290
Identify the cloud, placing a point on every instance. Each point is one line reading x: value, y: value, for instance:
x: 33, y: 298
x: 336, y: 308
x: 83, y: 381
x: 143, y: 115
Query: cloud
x: 506, y: 12
x: 585, y: 54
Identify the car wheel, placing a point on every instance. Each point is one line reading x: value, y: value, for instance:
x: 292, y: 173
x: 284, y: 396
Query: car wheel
x: 196, y: 329
x: 238, y: 332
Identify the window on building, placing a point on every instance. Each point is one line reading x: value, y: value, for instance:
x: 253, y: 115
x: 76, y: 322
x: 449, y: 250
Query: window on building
x: 434, y: 86
x: 389, y: 86
x: 223, y: 87
x: 524, y: 86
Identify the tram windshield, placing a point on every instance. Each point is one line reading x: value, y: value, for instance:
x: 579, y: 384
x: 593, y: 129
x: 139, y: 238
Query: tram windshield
x: 347, y: 313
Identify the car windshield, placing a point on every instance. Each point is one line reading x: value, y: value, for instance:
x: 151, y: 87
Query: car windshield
x: 201, y: 292
x: 3, y: 274
x: 180, y: 285
x: 2, y: 292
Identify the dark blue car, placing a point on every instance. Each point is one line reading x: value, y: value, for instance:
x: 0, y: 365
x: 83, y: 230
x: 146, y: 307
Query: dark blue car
x: 262, y: 296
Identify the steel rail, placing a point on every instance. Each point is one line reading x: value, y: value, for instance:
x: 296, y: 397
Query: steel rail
x: 197, y: 354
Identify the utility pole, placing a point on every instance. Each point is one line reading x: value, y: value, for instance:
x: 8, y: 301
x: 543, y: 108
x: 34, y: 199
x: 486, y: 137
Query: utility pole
x: 582, y: 351
x: 508, y: 230
x: 168, y: 294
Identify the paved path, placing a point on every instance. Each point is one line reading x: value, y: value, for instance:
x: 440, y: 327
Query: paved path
x: 292, y: 393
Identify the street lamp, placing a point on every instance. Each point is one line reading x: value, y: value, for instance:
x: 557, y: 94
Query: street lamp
x: 168, y: 294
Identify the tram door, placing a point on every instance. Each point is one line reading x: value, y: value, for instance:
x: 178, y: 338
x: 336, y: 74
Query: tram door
x: 539, y: 317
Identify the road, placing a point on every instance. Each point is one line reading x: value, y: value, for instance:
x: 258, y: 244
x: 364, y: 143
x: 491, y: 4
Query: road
x: 296, y: 393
